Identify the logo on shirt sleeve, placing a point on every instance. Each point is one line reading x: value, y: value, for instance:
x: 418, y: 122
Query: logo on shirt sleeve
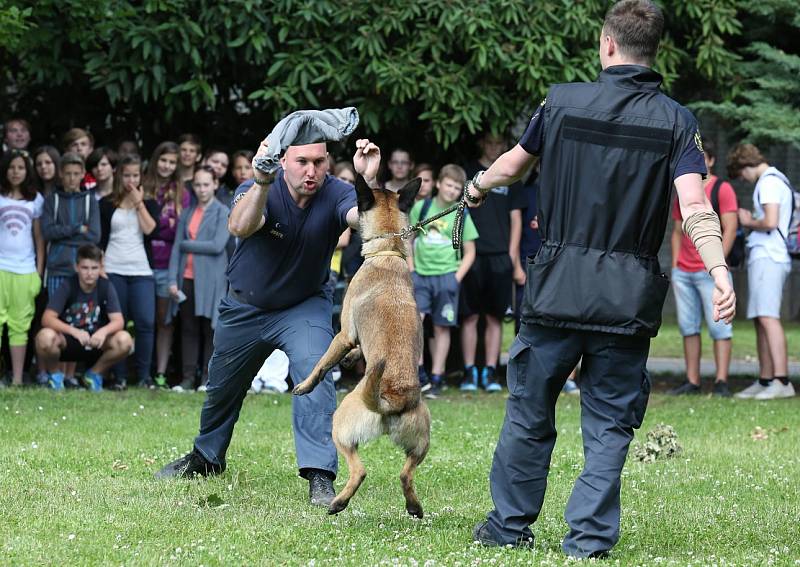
x: 698, y: 141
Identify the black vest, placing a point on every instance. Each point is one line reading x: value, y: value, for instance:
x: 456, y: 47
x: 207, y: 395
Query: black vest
x: 607, y: 162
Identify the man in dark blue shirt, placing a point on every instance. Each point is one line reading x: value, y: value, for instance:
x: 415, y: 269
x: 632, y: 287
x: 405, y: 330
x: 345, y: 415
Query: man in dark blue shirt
x: 287, y: 229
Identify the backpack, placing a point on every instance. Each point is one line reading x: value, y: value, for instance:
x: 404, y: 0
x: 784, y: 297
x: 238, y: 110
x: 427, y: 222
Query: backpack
x: 736, y: 256
x: 792, y: 238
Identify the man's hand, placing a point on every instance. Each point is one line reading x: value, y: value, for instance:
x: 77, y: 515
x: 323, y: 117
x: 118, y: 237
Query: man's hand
x: 519, y: 274
x: 723, y: 298
x: 98, y: 339
x: 173, y: 291
x: 81, y: 336
x: 367, y: 161
x: 476, y: 199
x: 261, y: 177
x: 745, y: 217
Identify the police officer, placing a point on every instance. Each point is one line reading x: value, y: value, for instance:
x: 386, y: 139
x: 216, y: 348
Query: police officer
x: 610, y: 153
x: 287, y: 230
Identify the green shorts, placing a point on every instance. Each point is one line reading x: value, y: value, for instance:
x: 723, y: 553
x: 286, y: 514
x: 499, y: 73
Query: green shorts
x: 18, y: 304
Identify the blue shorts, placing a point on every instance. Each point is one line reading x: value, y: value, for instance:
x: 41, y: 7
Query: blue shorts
x: 162, y: 283
x: 693, y: 293
x: 437, y: 296
x: 765, y: 279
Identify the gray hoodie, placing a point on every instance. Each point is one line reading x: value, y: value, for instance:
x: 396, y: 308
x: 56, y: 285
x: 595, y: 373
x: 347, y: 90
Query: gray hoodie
x: 64, y: 214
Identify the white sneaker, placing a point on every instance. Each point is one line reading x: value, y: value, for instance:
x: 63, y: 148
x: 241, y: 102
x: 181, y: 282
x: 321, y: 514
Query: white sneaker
x: 775, y: 390
x: 750, y: 391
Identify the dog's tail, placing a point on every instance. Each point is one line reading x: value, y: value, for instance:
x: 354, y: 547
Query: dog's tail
x: 372, y: 387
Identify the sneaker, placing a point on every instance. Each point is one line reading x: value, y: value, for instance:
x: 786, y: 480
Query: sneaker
x: 424, y: 380
x: 187, y: 385
x: 775, y: 390
x: 685, y: 389
x: 56, y: 381
x: 571, y: 388
x: 72, y: 383
x: 435, y: 389
x: 42, y: 379
x: 470, y: 383
x: 488, y: 381
x: 120, y: 385
x: 721, y: 389
x: 320, y: 488
x: 160, y: 381
x: 93, y: 381
x: 750, y: 391
x: 190, y: 465
x: 146, y: 383
x: 204, y: 388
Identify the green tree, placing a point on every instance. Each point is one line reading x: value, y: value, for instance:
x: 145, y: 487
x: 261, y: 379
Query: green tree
x: 763, y: 105
x: 434, y: 71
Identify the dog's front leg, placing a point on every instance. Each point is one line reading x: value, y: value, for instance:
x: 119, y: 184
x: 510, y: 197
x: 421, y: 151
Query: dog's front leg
x: 340, y: 346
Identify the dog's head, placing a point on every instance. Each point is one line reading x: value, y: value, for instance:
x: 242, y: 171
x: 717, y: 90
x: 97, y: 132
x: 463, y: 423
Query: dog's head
x: 381, y: 211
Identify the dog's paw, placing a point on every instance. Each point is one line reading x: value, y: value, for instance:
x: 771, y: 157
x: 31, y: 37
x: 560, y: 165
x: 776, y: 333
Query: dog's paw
x: 303, y: 387
x: 414, y: 510
x: 337, y: 506
x: 351, y: 358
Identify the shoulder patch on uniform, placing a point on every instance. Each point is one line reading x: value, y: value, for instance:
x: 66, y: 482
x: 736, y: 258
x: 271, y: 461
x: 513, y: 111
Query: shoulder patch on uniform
x: 698, y: 141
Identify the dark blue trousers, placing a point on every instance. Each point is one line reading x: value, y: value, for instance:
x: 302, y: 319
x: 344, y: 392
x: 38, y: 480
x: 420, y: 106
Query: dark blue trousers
x: 615, y: 388
x: 245, y: 336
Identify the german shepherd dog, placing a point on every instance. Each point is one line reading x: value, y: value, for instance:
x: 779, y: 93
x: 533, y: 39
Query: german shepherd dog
x: 380, y: 316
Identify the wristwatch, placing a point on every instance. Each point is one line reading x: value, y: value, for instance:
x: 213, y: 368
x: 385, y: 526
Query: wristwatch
x: 476, y: 182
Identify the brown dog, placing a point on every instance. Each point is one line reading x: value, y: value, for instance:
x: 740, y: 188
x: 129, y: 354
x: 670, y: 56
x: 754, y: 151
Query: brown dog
x: 379, y: 314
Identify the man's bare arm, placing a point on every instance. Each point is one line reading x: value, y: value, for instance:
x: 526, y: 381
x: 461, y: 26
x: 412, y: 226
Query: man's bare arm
x: 247, y: 215
x: 508, y: 168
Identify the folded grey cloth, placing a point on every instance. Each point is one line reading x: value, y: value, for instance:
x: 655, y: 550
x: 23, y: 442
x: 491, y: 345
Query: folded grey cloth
x: 306, y: 127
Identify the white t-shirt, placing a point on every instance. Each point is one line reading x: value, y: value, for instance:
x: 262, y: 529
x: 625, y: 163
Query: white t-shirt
x: 17, y: 250
x: 772, y: 244
x: 125, y: 253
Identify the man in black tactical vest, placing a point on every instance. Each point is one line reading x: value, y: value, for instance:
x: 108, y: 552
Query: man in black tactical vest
x: 610, y: 153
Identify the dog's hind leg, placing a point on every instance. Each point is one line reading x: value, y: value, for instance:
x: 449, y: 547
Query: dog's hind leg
x: 351, y: 357
x: 412, y: 430
x: 353, y: 424
x: 340, y: 346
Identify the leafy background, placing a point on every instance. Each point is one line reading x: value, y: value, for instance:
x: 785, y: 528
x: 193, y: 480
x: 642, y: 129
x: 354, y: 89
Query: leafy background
x: 428, y: 73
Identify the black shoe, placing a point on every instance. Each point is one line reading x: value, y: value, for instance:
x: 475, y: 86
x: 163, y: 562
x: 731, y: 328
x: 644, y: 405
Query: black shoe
x: 120, y: 385
x: 190, y: 465
x: 721, y: 389
x: 685, y: 389
x: 72, y: 383
x: 320, y: 488
x: 424, y: 380
x: 483, y: 535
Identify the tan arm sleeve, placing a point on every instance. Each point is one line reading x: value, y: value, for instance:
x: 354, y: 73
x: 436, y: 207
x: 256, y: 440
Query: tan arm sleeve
x: 704, y: 230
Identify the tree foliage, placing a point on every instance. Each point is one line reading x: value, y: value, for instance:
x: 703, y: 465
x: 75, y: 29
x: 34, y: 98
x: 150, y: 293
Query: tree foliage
x: 438, y: 70
x: 764, y: 102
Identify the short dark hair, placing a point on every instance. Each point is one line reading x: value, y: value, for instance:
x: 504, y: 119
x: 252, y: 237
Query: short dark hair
x: 98, y: 154
x: 89, y: 252
x: 71, y: 158
x: 636, y: 26
x: 709, y: 148
x: 192, y: 139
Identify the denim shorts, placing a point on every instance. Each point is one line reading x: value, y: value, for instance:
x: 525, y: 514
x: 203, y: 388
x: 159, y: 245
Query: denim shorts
x: 162, y: 283
x: 437, y: 296
x: 693, y: 293
x: 765, y: 279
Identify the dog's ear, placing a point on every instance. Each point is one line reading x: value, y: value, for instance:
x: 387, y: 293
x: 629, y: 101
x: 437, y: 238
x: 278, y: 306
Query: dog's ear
x: 364, y: 195
x: 408, y: 193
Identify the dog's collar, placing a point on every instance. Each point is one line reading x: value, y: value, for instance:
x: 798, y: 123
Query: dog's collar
x: 385, y: 253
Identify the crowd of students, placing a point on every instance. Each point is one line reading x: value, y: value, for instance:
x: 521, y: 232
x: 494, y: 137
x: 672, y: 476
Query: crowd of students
x: 103, y: 253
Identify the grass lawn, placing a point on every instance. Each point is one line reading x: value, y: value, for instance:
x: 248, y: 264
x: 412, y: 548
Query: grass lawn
x: 76, y: 487
x: 669, y: 343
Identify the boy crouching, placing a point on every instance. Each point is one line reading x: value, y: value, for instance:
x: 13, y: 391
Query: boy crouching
x: 83, y: 322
